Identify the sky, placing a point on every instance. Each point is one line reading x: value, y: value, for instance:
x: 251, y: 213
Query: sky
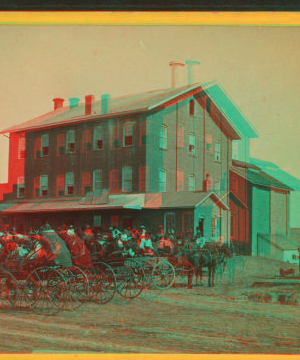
x: 257, y: 66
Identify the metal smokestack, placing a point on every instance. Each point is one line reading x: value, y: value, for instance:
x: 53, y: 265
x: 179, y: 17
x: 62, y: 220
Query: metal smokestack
x: 174, y: 65
x: 190, y: 64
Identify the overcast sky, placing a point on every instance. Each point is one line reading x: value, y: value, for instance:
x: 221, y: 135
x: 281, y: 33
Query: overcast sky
x: 257, y: 66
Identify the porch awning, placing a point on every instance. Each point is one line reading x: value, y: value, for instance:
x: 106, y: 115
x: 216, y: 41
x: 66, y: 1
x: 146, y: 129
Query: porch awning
x: 5, y: 206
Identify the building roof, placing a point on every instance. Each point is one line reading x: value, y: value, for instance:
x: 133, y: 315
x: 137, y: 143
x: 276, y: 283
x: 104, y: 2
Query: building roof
x: 144, y: 102
x: 123, y: 201
x: 295, y: 235
x: 258, y: 177
x: 275, y: 171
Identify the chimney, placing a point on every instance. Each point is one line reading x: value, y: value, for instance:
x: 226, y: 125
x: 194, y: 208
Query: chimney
x: 190, y: 64
x: 105, y: 103
x: 174, y: 65
x: 89, y: 99
x: 58, y: 103
x: 73, y: 102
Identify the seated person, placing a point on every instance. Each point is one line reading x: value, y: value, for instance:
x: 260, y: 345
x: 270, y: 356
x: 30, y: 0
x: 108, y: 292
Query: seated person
x: 165, y: 244
x: 71, y: 230
x: 146, y: 246
x: 36, y: 256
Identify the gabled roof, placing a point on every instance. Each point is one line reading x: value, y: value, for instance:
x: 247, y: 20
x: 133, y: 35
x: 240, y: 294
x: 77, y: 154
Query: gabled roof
x: 234, y: 196
x: 275, y: 171
x: 258, y: 177
x: 139, y: 103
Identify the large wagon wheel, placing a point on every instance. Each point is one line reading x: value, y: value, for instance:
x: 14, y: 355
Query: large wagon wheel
x: 45, y: 291
x: 139, y: 275
x: 184, y: 274
x: 8, y: 290
x: 163, y: 275
x: 102, y: 284
x: 126, y: 284
x: 150, y: 291
x: 78, y: 287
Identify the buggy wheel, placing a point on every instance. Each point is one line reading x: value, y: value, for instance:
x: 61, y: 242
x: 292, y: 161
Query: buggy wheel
x: 45, y: 291
x: 126, y: 285
x: 102, y: 287
x: 139, y: 274
x: 184, y: 274
x: 163, y: 275
x: 110, y: 277
x: 8, y: 290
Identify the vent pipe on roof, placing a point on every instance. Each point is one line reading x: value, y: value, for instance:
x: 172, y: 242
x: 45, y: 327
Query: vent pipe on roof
x: 174, y: 65
x: 58, y: 103
x: 105, y: 103
x: 190, y: 64
x: 89, y: 99
x: 73, y: 102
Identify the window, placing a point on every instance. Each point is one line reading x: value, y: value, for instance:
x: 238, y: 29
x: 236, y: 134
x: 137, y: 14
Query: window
x: 192, y: 105
x: 180, y: 135
x: 169, y: 221
x: 70, y: 142
x: 143, y: 133
x: 163, y: 140
x: 86, y: 183
x: 114, y: 221
x: 97, y: 180
x: 69, y: 183
x: 127, y: 179
x: 21, y: 149
x: 294, y: 257
x: 37, y: 186
x: 61, y: 145
x: 115, y: 143
x: 218, y: 151
x: 60, y: 185
x: 45, y: 145
x: 234, y: 149
x: 114, y: 181
x: 86, y: 141
x: 44, y: 185
x: 143, y: 176
x: 191, y: 183
x: 98, y: 138
x: 208, y: 146
x: 192, y: 150
x: 97, y: 221
x: 209, y: 182
x: 217, y: 185
x: 128, y: 134
x: 180, y: 180
x: 162, y: 178
x: 21, y: 187
x: 37, y: 148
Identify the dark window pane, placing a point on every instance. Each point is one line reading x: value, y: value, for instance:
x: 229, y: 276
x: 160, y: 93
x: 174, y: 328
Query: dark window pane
x: 61, y: 150
x: 44, y: 192
x: 71, y: 147
x: 38, y: 154
x: 45, y: 151
x: 22, y: 154
x: 61, y: 193
x: 87, y: 189
x: 116, y: 143
x: 128, y: 140
x: 99, y: 144
x: 70, y: 190
x: 21, y: 191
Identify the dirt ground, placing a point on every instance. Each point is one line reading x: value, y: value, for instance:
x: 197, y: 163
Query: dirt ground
x: 180, y: 320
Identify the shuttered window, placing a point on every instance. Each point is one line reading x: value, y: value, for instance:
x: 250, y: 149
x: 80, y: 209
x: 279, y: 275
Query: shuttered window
x: 98, y: 138
x: 86, y: 183
x: 127, y: 179
x: 21, y: 149
x: 44, y: 185
x: 70, y: 142
x: 60, y: 185
x: 61, y: 145
x: 128, y: 134
x: 114, y: 181
x: 69, y: 183
x: 21, y: 187
x: 86, y: 141
x: 37, y: 148
x: 45, y: 144
x: 97, y: 180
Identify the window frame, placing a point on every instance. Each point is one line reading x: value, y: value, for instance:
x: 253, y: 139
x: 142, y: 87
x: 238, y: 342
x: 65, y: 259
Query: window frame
x: 143, y: 132
x: 61, y: 140
x: 115, y: 136
x: 45, y: 145
x: 21, y: 147
x: 59, y: 186
x: 87, y: 135
x: 163, y: 137
x: 193, y: 187
x: 70, y: 142
x: 44, y: 179
x: 86, y: 181
x: 71, y: 184
x: 125, y: 171
x: 20, y: 185
x: 95, y: 181
x: 169, y: 213
x: 126, y: 132
x: 99, y: 129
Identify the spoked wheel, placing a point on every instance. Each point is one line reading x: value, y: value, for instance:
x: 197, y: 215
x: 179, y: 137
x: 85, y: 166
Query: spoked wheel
x: 45, y: 291
x: 126, y: 285
x: 8, y: 290
x: 184, y: 274
x: 139, y: 275
x: 102, y: 284
x: 163, y: 275
x: 78, y: 287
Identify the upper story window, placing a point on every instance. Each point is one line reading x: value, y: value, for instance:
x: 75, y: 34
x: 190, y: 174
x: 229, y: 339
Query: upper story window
x: 87, y: 141
x: 234, y: 184
x: 37, y: 148
x: 21, y: 148
x: 128, y: 134
x: 209, y: 182
x: 180, y: 135
x: 70, y: 142
x: 44, y: 185
x: 192, y: 148
x: 218, y: 151
x: 191, y: 183
x: 163, y: 139
x: 217, y: 185
x: 143, y: 133
x: 114, y: 181
x: 97, y: 180
x: 127, y: 179
x: 21, y: 187
x: 61, y: 144
x: 143, y: 177
x: 162, y: 178
x: 45, y: 144
x: 234, y: 149
x: 208, y: 145
x: 41, y: 186
x: 86, y: 183
x: 69, y: 183
x: 115, y: 141
x: 98, y: 138
x: 192, y: 107
x: 180, y: 180
x: 60, y: 185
